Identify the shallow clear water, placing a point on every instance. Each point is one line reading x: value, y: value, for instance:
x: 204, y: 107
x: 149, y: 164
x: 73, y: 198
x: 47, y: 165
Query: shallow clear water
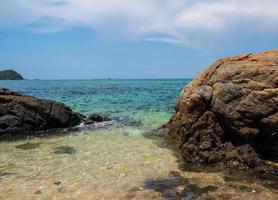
x: 105, y: 165
x: 127, y: 159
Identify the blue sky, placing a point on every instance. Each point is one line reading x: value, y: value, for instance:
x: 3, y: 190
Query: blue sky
x: 66, y: 39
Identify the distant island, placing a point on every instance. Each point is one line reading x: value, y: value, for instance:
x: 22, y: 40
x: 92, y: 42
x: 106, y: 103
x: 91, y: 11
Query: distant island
x: 10, y: 75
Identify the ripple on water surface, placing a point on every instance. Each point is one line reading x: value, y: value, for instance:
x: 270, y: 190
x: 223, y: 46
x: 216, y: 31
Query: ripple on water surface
x: 108, y: 164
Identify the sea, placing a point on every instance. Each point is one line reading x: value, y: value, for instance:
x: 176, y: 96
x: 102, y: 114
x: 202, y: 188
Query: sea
x: 126, y: 158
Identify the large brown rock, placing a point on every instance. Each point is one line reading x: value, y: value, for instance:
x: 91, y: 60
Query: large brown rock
x: 229, y: 113
x: 25, y: 114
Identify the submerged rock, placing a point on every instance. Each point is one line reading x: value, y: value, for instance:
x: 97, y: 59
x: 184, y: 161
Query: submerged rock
x: 64, y: 150
x: 193, y: 191
x: 27, y: 146
x: 229, y: 113
x: 38, y: 192
x: 5, y: 173
x: 57, y: 183
x: 26, y: 114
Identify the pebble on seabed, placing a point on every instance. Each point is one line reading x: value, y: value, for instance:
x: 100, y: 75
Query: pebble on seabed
x: 57, y: 183
x: 38, y: 191
x: 64, y: 150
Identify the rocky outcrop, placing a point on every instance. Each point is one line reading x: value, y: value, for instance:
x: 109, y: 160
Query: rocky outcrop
x: 229, y: 113
x: 25, y: 114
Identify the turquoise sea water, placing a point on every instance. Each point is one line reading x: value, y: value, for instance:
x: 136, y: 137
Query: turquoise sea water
x: 127, y: 159
x: 147, y: 103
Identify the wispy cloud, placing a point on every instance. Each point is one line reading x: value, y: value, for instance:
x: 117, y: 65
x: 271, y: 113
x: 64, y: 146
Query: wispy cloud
x: 171, y: 21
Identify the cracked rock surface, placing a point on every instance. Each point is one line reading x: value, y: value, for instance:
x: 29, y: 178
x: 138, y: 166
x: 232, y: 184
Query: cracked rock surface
x: 20, y: 113
x: 229, y: 113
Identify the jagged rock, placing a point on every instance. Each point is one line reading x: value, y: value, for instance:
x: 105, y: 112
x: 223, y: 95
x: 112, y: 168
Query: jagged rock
x: 229, y: 113
x: 20, y: 113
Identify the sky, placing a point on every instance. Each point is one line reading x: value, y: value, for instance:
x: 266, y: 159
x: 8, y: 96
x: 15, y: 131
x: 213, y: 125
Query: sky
x: 88, y: 39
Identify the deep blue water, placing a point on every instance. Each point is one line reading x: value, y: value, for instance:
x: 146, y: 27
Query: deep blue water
x: 151, y: 101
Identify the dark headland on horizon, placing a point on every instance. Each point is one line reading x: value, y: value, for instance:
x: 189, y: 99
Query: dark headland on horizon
x: 10, y: 75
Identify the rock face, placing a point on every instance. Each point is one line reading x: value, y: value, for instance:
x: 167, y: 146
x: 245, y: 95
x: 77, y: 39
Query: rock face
x: 229, y: 113
x: 20, y: 113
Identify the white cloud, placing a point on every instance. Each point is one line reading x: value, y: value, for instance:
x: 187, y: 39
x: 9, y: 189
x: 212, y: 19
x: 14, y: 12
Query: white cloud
x: 173, y: 21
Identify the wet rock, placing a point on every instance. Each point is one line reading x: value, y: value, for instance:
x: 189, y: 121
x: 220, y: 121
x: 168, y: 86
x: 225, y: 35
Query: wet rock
x: 93, y: 118
x: 27, y: 146
x: 247, y: 155
x: 64, y: 150
x: 26, y: 114
x: 229, y: 113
